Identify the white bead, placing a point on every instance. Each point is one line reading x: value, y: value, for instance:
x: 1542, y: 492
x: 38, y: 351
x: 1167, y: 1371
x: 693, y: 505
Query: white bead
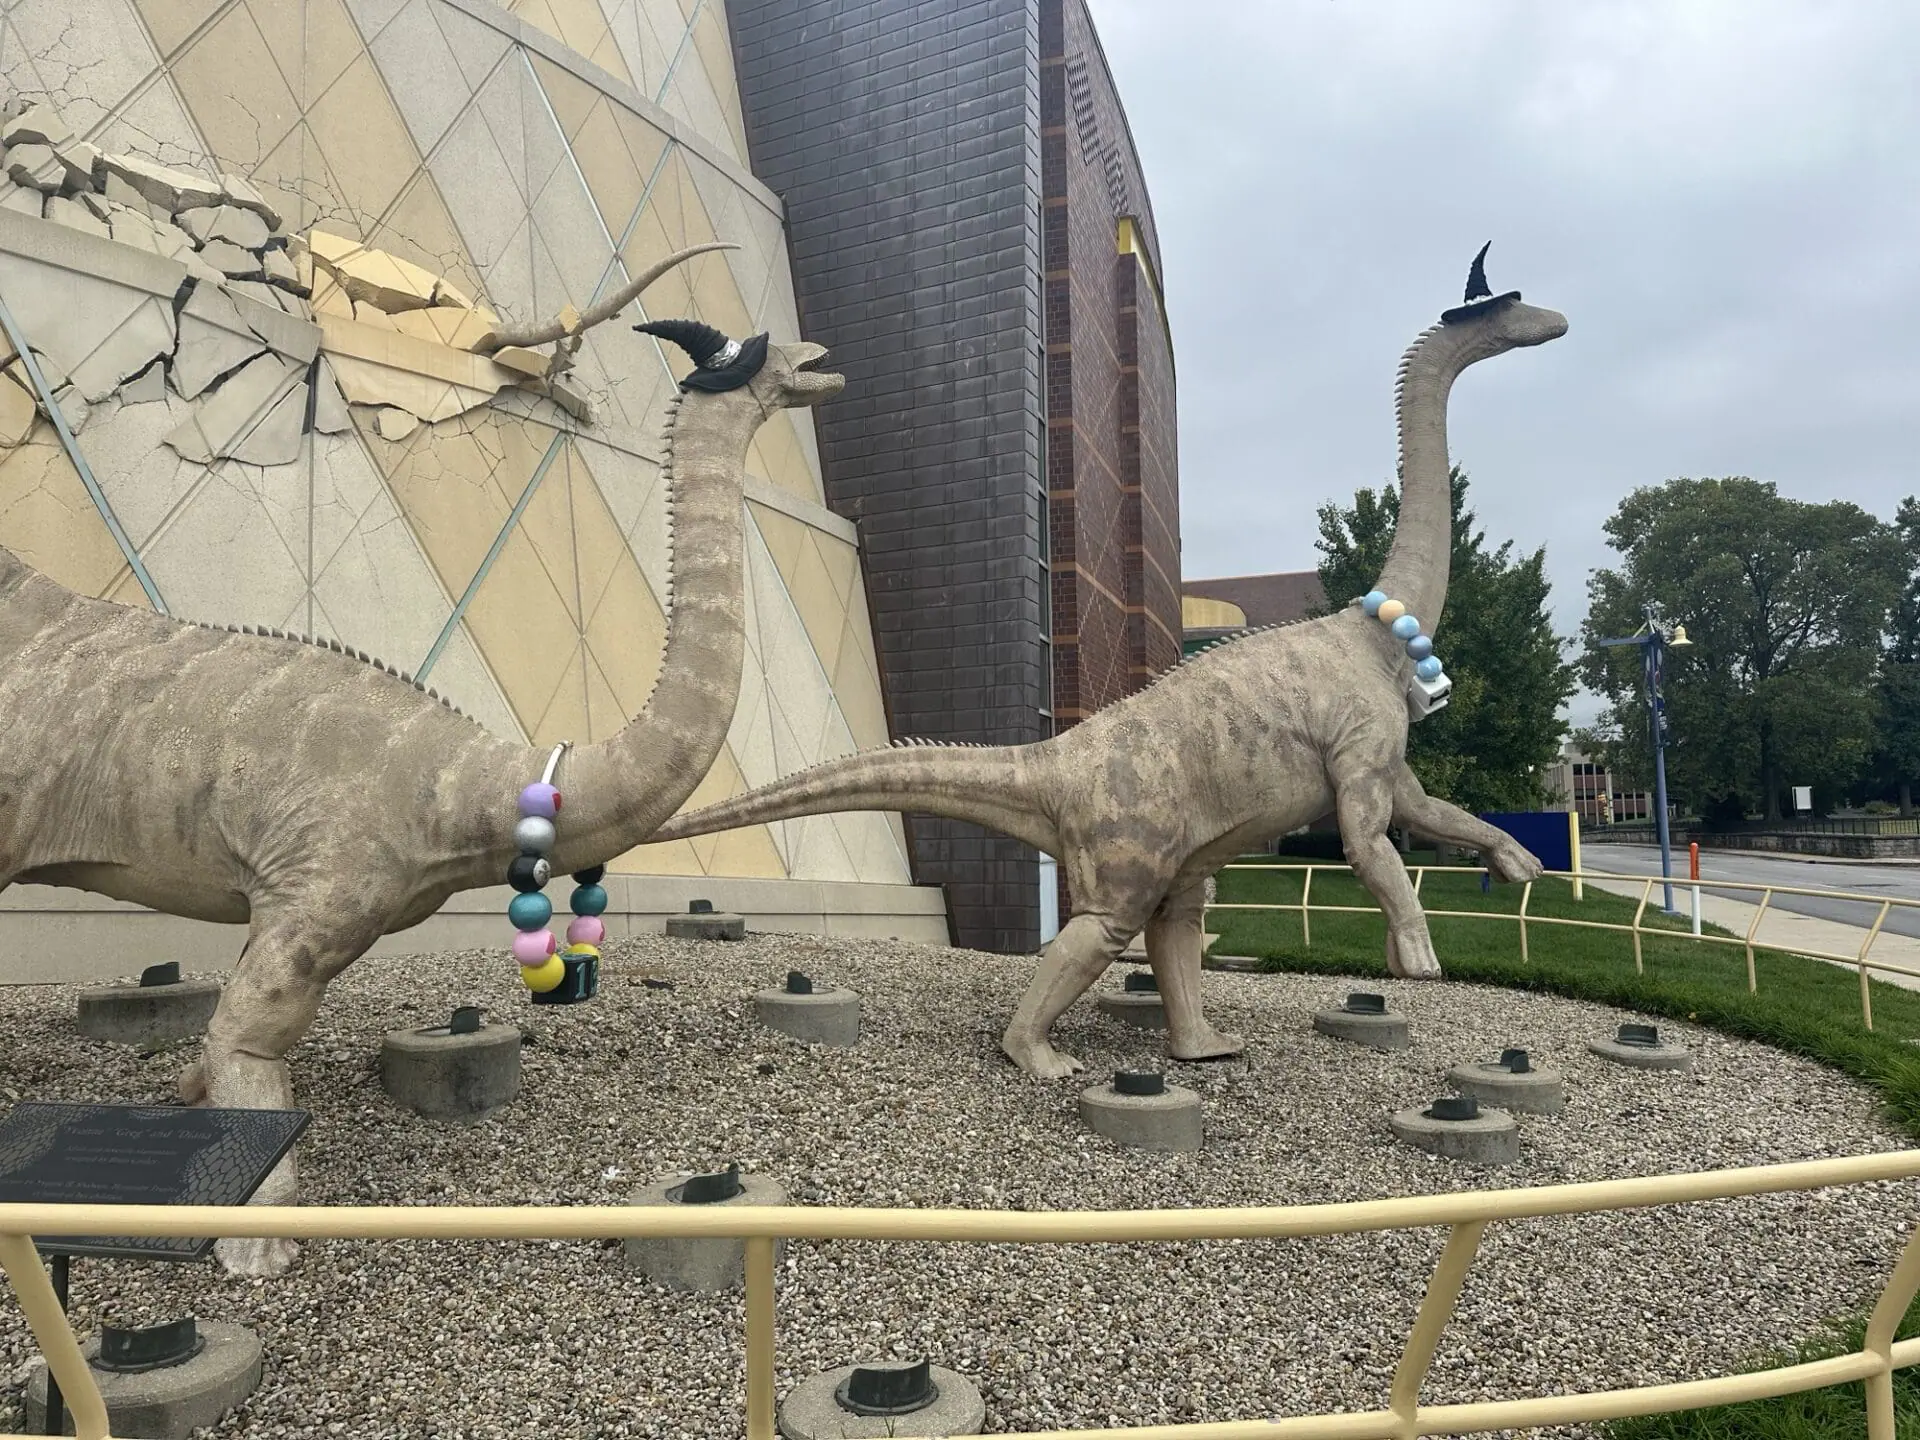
x: 534, y: 835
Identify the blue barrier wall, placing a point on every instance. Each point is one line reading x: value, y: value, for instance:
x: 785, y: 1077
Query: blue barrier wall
x: 1548, y: 834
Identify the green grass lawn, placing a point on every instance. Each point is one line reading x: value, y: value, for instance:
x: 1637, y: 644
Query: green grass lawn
x: 1804, y: 1006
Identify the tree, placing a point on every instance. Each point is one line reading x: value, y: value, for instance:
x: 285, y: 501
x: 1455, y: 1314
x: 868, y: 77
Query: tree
x: 1785, y: 603
x: 1896, y: 760
x: 1490, y: 747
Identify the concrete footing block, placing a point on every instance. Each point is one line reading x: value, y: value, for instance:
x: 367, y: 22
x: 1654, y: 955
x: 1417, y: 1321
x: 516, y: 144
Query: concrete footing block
x: 1365, y: 1020
x: 811, y: 1411
x: 1530, y: 1090
x: 1640, y: 1048
x: 1479, y: 1137
x: 161, y: 1008
x: 819, y: 1017
x: 1138, y: 1005
x: 710, y: 926
x: 172, y: 1402
x: 1139, y: 1109
x: 462, y: 1071
x: 685, y: 1263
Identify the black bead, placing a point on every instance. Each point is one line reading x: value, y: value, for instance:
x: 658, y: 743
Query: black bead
x: 529, y: 873
x: 590, y: 877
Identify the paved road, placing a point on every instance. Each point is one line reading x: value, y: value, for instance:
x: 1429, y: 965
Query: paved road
x: 1901, y: 882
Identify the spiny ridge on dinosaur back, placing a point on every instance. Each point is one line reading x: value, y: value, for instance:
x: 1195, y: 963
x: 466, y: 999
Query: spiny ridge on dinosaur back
x: 335, y: 646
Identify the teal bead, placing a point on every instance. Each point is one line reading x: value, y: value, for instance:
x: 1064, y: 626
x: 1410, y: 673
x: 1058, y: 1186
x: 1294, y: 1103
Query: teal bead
x: 588, y: 900
x: 530, y: 911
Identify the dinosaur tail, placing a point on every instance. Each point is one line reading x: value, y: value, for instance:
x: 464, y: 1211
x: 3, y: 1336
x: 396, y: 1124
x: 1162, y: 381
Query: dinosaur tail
x: 990, y: 785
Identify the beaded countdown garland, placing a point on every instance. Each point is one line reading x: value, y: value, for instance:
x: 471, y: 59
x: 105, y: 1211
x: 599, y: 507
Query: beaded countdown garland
x: 542, y: 964
x: 1393, y: 614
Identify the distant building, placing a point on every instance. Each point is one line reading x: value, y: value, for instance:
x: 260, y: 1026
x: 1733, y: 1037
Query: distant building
x: 1583, y: 785
x: 1210, y: 609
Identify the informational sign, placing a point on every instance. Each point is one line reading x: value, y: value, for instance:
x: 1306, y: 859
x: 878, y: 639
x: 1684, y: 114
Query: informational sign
x: 1802, y: 799
x: 64, y: 1154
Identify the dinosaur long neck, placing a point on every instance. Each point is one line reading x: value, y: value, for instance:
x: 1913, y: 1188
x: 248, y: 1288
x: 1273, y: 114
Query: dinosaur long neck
x: 1416, y: 568
x: 619, y: 790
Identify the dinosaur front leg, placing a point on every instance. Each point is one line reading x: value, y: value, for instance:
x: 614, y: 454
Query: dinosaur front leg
x: 1364, y: 806
x: 1075, y: 958
x: 1174, y: 937
x: 1509, y: 860
x: 267, y: 1006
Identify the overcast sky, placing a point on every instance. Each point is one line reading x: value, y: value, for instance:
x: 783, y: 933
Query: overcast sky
x: 1723, y: 198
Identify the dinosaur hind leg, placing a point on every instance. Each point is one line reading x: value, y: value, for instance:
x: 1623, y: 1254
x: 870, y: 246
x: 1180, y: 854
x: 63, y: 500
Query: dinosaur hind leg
x: 1173, y: 949
x: 269, y: 1003
x: 1075, y: 958
x: 1365, y: 805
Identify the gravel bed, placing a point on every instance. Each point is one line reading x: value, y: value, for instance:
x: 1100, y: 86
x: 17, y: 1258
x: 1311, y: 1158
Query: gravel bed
x: 470, y: 1339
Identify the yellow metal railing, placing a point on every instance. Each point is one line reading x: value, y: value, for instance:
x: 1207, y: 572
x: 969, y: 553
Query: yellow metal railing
x: 1860, y: 959
x: 1466, y: 1216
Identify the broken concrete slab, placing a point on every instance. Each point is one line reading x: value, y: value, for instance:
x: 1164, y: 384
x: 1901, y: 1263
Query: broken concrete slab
x: 240, y: 227
x: 161, y: 185
x: 224, y: 419
x: 276, y: 439
x: 373, y: 276
x: 97, y: 204
x: 518, y: 358
x: 22, y: 200
x: 291, y: 336
x: 198, y: 222
x: 146, y: 387
x: 213, y: 341
x: 395, y: 424
x: 573, y: 399
x: 281, y: 271
x: 230, y: 259
x: 63, y: 211
x: 144, y: 335
x: 77, y: 157
x: 35, y: 166
x: 330, y: 413
x: 240, y: 194
x: 38, y: 124
x: 446, y: 325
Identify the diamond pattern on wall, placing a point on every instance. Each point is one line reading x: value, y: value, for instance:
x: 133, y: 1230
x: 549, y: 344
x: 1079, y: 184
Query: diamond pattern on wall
x: 234, y: 90
x: 49, y: 521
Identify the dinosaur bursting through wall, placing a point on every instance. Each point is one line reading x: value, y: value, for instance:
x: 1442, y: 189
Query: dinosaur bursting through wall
x: 1247, y: 740
x: 325, y: 800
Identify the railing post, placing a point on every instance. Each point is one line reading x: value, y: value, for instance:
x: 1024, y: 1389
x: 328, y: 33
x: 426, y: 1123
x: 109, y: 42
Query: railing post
x: 1866, y: 999
x: 1419, y: 875
x: 759, y: 1270
x: 65, y: 1363
x: 1753, y: 979
x: 1306, y: 900
x: 1646, y: 892
x: 1902, y: 1286
x: 1443, y: 1293
x: 1526, y: 895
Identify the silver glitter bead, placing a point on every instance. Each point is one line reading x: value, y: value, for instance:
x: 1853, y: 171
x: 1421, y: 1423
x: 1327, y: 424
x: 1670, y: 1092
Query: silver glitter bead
x: 534, y: 835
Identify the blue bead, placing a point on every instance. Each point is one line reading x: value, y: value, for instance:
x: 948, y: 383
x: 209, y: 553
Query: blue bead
x: 1372, y: 601
x: 1406, y: 627
x: 1420, y: 646
x: 530, y: 911
x: 588, y: 900
x: 1429, y: 668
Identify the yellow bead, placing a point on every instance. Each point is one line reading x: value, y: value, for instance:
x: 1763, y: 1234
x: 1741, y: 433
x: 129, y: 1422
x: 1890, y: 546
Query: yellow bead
x: 1390, y: 611
x: 542, y: 978
x: 593, y: 950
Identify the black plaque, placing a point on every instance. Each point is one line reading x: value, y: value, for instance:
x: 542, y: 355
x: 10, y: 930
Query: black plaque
x: 59, y: 1154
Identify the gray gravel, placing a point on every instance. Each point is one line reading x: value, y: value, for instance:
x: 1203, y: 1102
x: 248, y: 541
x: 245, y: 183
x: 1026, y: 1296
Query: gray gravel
x: 458, y: 1339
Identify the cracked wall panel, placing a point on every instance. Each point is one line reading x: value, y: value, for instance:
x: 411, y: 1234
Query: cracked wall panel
x: 573, y: 240
x: 235, y: 92
x: 524, y: 631
x: 420, y: 228
x: 363, y: 141
x: 509, y: 280
x: 296, y: 180
x: 463, y: 677
x: 171, y: 21
x: 143, y: 480
x: 16, y: 62
x: 625, y: 366
x: 346, y: 490
x: 476, y: 184
x: 66, y: 314
x: 240, y: 513
x: 330, y: 42
x: 90, y: 54
x: 48, y: 519
x: 153, y: 123
x: 477, y: 47
x: 635, y: 494
x: 422, y: 75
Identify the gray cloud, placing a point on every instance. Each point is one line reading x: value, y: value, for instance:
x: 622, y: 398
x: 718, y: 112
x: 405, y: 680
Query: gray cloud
x: 1724, y: 198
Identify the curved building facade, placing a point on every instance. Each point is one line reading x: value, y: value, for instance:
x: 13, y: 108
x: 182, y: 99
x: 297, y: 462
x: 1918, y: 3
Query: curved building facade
x: 249, y: 245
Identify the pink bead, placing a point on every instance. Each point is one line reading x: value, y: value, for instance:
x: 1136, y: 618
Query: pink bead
x: 540, y: 799
x: 532, y: 947
x: 586, y: 930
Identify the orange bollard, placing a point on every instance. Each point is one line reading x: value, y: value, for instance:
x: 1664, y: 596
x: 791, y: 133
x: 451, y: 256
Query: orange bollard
x: 1693, y: 860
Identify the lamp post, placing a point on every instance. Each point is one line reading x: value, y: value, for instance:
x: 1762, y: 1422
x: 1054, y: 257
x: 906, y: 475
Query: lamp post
x: 1653, y: 638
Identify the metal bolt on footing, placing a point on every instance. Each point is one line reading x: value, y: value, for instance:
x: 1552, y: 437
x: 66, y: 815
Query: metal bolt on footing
x: 681, y: 1262
x: 1513, y: 1082
x: 1141, y: 1110
x: 1455, y: 1127
x: 1640, y: 1047
x: 888, y: 1389
x: 167, y: 974
x: 703, y: 922
x: 462, y: 1070
x: 167, y: 1381
x: 1363, y: 1018
x: 1136, y: 1003
x: 818, y: 1016
x: 903, y: 1400
x: 162, y: 1008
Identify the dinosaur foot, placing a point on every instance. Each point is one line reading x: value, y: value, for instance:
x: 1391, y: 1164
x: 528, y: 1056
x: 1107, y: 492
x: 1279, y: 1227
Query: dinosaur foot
x: 267, y: 1258
x: 1209, y: 1044
x: 1411, y: 957
x: 192, y: 1084
x: 1039, y: 1059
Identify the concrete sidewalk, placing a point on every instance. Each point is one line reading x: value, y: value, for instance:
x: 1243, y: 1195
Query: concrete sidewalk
x: 1782, y: 930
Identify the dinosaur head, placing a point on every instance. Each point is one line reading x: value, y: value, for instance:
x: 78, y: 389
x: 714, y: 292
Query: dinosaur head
x: 777, y: 376
x: 1485, y: 324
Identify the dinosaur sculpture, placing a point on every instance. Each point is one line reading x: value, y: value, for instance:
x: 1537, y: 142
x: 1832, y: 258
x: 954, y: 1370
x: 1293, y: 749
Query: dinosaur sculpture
x: 327, y: 800
x: 1250, y: 739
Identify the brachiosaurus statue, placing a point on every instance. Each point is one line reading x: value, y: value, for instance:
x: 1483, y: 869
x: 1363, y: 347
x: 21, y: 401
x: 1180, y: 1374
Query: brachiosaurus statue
x: 1248, y: 740
x: 327, y: 800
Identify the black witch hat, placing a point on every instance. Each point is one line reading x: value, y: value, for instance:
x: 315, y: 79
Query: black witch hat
x: 718, y: 363
x: 1479, y: 297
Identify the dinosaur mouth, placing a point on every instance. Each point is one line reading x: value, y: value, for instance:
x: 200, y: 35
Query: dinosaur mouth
x: 811, y: 386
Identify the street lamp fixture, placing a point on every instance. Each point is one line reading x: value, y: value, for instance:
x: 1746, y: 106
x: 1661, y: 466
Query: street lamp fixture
x: 1653, y: 637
